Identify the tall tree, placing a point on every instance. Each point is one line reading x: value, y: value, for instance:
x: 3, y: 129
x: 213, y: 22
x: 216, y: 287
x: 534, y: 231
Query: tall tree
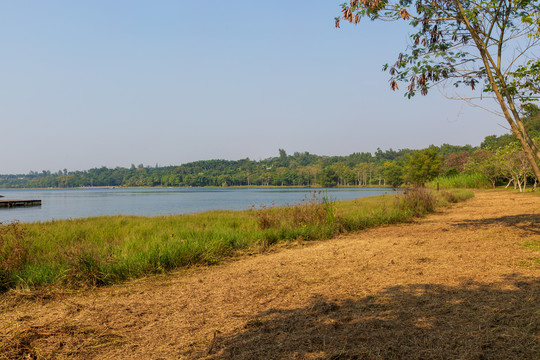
x: 393, y: 173
x: 489, y: 43
x: 485, y: 162
x: 422, y: 166
x: 328, y: 178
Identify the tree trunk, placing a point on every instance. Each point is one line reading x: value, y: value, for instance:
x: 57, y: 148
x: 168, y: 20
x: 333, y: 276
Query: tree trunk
x: 531, y: 151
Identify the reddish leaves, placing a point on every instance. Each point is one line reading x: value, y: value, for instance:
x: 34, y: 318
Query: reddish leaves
x: 404, y: 14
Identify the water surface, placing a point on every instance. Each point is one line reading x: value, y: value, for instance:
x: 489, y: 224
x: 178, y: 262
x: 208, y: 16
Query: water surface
x: 82, y: 203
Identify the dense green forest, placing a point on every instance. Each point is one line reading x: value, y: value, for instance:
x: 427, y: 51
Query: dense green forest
x: 498, y: 159
x: 299, y: 169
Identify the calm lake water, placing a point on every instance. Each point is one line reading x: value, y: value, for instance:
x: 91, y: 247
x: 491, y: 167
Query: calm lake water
x: 82, y: 203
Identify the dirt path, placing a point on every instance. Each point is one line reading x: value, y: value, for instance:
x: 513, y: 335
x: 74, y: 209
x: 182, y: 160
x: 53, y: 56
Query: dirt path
x: 456, y: 284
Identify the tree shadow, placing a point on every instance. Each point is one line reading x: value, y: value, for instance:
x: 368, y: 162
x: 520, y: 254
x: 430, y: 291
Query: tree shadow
x: 424, y: 321
x: 529, y: 223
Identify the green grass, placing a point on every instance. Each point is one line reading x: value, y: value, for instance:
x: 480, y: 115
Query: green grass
x: 532, y: 244
x: 106, y: 250
x: 462, y: 181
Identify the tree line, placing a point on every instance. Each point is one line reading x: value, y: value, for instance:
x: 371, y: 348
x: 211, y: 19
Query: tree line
x: 500, y: 160
x: 298, y: 169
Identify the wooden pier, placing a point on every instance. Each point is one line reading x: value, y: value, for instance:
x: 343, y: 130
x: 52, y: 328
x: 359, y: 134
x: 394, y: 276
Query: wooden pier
x: 18, y: 203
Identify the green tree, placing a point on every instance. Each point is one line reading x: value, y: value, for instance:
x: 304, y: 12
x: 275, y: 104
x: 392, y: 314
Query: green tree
x: 422, y: 166
x: 393, y: 173
x: 283, y: 158
x: 364, y: 171
x: 328, y: 178
x: 341, y: 170
x: 494, y: 142
x: 514, y: 166
x: 485, y: 43
x: 486, y: 163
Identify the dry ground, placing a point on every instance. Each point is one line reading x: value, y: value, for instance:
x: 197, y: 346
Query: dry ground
x: 457, y: 284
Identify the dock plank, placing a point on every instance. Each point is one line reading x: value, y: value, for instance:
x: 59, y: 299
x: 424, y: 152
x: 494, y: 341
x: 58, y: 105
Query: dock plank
x: 11, y: 203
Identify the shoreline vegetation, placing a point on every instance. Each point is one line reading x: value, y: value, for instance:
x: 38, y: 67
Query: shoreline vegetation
x: 298, y: 169
x: 315, y: 187
x: 106, y: 250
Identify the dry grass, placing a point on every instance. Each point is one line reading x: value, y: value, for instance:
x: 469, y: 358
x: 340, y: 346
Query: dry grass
x: 421, y: 321
x: 459, y: 284
x: 69, y: 339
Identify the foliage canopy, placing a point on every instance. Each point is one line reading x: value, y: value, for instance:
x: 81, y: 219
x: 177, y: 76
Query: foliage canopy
x: 423, y: 166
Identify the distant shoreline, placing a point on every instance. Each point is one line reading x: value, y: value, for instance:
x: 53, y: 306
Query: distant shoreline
x: 200, y: 187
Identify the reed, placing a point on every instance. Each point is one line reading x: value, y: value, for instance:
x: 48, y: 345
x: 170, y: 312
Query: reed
x: 463, y: 181
x: 105, y: 250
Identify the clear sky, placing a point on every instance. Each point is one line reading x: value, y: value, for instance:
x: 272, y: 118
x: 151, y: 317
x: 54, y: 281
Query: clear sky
x: 109, y: 83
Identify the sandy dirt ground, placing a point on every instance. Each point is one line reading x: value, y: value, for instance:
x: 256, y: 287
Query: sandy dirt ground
x: 457, y: 284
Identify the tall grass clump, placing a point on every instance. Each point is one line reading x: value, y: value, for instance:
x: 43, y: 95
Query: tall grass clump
x: 418, y: 201
x: 462, y: 181
x: 14, y: 253
x: 312, y: 219
x: 454, y: 196
x: 111, y: 249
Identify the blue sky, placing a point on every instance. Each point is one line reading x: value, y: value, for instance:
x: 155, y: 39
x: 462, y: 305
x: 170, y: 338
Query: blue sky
x: 111, y: 83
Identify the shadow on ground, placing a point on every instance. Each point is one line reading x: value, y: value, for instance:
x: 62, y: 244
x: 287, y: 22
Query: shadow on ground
x: 426, y: 321
x: 529, y: 223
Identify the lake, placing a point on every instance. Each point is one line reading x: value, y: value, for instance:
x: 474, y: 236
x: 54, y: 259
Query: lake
x: 81, y: 203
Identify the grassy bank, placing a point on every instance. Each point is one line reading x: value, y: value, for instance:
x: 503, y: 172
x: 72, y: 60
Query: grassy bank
x: 461, y: 181
x: 106, y: 250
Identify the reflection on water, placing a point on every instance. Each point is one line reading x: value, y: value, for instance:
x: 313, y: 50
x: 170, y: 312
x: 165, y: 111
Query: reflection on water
x: 78, y: 203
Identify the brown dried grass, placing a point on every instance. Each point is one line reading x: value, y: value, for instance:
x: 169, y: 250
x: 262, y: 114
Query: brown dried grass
x: 56, y: 340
